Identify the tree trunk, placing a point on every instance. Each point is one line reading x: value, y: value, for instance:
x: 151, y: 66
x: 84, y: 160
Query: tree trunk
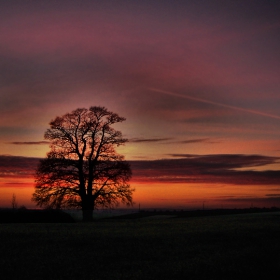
x: 87, y: 208
x: 87, y: 215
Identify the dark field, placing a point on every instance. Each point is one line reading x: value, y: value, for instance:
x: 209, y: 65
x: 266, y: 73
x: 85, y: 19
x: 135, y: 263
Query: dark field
x: 243, y: 246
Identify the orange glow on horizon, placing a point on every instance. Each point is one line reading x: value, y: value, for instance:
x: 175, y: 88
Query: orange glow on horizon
x: 165, y: 195
x: 184, y: 195
x: 21, y: 187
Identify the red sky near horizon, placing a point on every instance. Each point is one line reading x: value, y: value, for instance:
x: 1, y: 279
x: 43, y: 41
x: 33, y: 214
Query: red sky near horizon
x: 198, y: 79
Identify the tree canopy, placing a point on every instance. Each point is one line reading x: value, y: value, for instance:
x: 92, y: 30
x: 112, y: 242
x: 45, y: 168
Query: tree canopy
x: 82, y: 168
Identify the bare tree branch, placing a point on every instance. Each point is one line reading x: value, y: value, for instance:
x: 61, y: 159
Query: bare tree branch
x: 82, y: 168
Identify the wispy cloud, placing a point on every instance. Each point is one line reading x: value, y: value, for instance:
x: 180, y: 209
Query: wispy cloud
x: 30, y: 143
x: 182, y: 155
x: 170, y: 140
x: 19, y: 167
x: 191, y: 141
x: 145, y: 140
x: 252, y: 199
x: 207, y: 101
x: 273, y: 195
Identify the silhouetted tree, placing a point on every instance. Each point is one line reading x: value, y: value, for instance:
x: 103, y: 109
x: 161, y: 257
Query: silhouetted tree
x: 83, y: 169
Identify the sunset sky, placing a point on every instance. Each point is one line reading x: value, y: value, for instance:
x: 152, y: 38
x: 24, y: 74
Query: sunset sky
x: 198, y: 83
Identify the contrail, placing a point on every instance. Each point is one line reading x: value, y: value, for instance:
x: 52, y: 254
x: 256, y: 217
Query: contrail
x: 215, y: 103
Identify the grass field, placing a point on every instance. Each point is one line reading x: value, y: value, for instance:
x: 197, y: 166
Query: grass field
x: 243, y: 246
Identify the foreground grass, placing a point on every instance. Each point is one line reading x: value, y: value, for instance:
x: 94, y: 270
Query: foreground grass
x: 222, y: 247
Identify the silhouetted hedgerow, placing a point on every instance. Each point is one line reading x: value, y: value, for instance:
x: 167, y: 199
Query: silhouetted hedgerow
x: 34, y: 216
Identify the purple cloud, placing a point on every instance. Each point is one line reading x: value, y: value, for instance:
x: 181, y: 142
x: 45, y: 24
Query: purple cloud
x: 191, y: 169
x: 145, y: 140
x: 208, y: 169
x: 30, y: 143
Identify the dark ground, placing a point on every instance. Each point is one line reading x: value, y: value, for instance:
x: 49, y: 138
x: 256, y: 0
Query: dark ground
x: 234, y: 246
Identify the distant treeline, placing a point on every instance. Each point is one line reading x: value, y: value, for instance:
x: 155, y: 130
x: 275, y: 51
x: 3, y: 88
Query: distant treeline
x: 59, y: 216
x: 197, y: 213
x: 34, y: 216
